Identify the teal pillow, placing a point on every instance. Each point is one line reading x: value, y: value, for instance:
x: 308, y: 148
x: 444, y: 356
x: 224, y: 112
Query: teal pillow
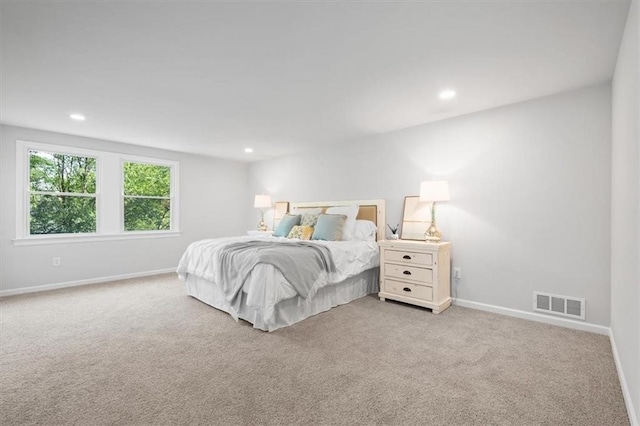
x: 287, y: 222
x: 329, y: 227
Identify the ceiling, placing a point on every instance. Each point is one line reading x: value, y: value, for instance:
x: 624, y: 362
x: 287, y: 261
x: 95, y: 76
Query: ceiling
x: 215, y: 77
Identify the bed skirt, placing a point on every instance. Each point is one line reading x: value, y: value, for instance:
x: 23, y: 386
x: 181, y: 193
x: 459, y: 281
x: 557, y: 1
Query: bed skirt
x: 288, y: 311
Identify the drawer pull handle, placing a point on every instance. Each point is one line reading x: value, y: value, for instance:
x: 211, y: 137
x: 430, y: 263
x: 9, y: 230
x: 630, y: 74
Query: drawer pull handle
x: 406, y: 272
x: 407, y: 289
x: 406, y: 256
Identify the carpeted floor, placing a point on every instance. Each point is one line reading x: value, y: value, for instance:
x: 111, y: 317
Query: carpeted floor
x: 142, y: 352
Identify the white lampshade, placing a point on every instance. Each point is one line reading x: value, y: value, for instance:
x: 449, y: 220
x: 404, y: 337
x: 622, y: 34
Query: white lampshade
x: 434, y: 190
x: 262, y: 202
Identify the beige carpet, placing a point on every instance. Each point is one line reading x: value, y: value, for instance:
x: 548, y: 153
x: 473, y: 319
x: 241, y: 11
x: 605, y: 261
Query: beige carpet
x: 142, y: 352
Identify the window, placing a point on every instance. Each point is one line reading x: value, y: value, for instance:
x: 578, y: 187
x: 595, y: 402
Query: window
x: 62, y: 193
x: 67, y: 193
x: 147, y: 197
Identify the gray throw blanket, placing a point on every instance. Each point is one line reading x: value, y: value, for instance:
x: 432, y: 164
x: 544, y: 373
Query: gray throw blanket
x: 301, y: 264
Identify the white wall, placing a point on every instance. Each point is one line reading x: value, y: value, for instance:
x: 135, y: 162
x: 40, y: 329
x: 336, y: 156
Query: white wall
x: 530, y: 187
x: 213, y: 203
x: 625, y: 208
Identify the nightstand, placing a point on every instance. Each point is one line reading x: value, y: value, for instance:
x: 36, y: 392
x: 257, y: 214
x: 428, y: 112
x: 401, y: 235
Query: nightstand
x: 416, y: 272
x: 259, y: 233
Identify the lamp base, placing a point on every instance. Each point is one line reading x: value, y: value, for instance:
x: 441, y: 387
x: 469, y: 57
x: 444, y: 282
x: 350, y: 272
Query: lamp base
x: 262, y: 226
x: 433, y: 235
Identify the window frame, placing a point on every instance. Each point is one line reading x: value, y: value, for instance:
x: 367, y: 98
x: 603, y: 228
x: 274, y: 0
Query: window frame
x: 109, y: 196
x: 173, y: 193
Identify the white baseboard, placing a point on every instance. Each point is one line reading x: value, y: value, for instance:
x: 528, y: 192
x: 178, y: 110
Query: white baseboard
x: 633, y: 419
x: 532, y: 316
x: 13, y: 292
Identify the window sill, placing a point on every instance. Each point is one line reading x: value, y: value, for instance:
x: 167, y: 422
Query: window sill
x: 66, y: 239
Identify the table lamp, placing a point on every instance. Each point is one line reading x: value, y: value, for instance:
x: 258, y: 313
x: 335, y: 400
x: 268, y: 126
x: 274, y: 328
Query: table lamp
x: 434, y: 191
x: 262, y: 202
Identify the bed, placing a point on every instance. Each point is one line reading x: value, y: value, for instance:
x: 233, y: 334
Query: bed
x: 270, y: 299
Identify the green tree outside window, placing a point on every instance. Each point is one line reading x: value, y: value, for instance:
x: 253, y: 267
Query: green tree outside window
x: 62, y: 190
x: 147, y: 197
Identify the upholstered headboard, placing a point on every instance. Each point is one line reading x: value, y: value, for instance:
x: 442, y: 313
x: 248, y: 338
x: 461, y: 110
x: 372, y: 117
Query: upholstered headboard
x: 373, y: 210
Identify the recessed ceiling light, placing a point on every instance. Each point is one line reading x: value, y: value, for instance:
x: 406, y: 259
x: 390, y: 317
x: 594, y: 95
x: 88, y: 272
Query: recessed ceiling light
x: 248, y: 150
x: 447, y: 94
x: 77, y: 117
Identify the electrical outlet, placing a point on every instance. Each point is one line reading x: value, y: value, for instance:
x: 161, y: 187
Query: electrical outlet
x: 56, y: 261
x: 457, y: 273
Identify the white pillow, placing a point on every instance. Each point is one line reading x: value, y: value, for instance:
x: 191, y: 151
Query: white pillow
x: 365, y: 230
x: 350, y: 225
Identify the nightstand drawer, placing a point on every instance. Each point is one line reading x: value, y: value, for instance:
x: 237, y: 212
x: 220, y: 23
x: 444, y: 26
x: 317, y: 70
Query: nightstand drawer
x: 412, y: 273
x: 425, y: 259
x: 409, y: 290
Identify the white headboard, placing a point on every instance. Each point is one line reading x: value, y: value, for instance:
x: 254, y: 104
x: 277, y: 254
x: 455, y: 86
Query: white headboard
x: 373, y: 210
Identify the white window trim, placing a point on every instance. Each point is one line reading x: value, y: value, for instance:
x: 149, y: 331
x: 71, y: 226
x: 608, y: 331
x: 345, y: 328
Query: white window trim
x: 109, y: 215
x: 173, y: 190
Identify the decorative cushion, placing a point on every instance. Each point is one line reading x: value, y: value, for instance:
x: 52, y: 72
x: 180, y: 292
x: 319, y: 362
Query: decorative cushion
x: 309, y: 215
x: 287, y: 222
x: 309, y: 219
x: 351, y: 212
x: 301, y: 232
x: 329, y: 227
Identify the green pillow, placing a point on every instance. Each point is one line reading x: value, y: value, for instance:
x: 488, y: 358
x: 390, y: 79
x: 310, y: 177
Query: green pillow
x: 287, y: 222
x: 329, y: 227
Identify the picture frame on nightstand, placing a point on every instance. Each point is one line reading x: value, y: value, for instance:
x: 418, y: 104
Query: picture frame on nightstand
x: 415, y: 218
x: 280, y: 209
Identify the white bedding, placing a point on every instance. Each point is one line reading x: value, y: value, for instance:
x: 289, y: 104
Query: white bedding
x: 265, y: 286
x: 289, y: 311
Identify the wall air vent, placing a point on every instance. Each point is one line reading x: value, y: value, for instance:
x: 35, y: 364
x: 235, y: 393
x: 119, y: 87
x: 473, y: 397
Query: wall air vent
x: 572, y: 307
